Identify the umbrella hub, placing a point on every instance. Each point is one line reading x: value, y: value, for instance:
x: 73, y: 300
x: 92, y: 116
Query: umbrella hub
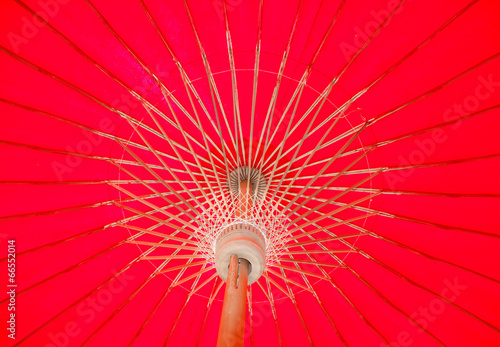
x: 257, y: 183
x: 242, y: 237
x: 245, y: 241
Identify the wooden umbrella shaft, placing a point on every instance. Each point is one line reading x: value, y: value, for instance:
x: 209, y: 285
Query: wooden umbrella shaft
x: 232, y: 324
x: 245, y: 199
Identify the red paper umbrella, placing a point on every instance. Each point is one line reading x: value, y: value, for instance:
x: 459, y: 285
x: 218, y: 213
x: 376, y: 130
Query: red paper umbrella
x: 266, y: 173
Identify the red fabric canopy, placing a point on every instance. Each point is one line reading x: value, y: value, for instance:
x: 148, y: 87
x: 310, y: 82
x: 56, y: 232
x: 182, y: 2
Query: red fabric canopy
x: 375, y: 124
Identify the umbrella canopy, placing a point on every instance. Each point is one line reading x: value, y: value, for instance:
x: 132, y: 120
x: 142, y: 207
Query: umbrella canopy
x: 369, y: 131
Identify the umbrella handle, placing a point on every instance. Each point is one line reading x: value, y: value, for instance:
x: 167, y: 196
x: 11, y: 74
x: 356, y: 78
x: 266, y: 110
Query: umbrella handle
x: 232, y: 323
